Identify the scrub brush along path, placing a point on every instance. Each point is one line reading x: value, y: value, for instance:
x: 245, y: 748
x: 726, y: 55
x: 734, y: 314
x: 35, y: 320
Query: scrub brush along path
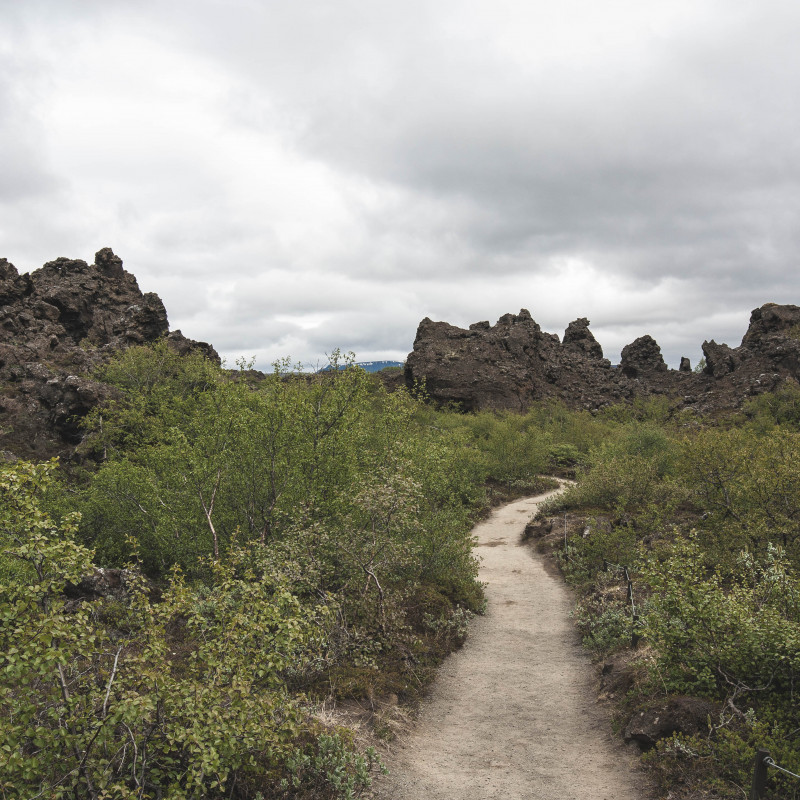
x: 513, y: 714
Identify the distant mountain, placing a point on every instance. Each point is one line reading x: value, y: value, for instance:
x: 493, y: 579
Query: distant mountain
x: 368, y: 366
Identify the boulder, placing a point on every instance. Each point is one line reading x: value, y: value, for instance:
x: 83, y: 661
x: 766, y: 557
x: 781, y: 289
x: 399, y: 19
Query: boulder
x: 578, y: 338
x: 102, y: 582
x: 684, y: 715
x: 643, y: 355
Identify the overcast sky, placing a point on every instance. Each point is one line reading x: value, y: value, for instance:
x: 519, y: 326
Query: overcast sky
x: 291, y: 177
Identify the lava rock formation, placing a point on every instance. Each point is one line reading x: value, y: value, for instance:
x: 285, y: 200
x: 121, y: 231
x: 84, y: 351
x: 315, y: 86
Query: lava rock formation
x: 514, y: 363
x: 56, y: 325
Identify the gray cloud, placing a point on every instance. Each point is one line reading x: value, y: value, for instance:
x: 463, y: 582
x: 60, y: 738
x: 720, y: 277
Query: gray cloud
x: 296, y: 177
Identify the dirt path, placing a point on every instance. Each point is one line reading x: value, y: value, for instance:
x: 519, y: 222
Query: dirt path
x: 513, y: 714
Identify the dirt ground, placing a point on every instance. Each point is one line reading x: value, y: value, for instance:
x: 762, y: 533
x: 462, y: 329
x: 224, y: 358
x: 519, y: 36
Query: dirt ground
x: 513, y: 714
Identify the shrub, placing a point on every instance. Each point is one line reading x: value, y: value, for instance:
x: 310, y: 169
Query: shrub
x: 181, y: 698
x: 724, y: 633
x: 748, y: 486
x: 628, y: 471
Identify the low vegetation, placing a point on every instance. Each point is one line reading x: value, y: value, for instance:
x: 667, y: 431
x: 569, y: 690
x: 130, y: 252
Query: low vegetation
x: 282, y: 543
x: 289, y: 541
x: 705, y: 515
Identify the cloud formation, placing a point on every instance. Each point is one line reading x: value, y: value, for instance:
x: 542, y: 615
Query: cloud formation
x: 295, y: 177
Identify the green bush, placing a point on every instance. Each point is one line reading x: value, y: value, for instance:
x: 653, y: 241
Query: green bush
x: 563, y: 456
x: 781, y: 407
x: 628, y: 471
x: 604, y: 616
x: 330, y: 768
x: 226, y: 460
x: 513, y: 449
x: 747, y: 485
x: 732, y: 635
x: 731, y: 631
x: 180, y: 698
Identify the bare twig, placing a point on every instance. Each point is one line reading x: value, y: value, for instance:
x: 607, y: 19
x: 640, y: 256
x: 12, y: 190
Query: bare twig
x: 81, y: 759
x: 111, y: 681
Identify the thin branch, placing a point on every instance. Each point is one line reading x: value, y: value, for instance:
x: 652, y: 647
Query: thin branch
x: 110, y: 681
x: 82, y: 759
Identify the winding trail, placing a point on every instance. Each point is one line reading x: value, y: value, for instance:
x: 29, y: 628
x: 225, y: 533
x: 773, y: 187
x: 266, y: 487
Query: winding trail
x: 513, y: 714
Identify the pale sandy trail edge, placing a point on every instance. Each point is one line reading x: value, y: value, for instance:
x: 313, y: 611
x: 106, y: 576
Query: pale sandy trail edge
x: 513, y: 714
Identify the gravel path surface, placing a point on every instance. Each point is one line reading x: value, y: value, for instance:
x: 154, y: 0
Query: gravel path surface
x: 513, y: 714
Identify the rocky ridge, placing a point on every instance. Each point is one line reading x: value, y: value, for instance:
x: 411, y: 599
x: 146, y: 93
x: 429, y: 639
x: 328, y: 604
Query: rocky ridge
x: 512, y: 364
x: 57, y: 324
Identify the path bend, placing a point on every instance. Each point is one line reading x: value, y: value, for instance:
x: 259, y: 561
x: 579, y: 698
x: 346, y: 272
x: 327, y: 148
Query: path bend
x: 513, y: 714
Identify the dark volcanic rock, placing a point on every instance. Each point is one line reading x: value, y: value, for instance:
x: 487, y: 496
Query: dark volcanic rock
x: 97, y: 305
x: 578, y: 338
x: 56, y: 325
x: 771, y: 321
x: 642, y: 356
x: 108, y: 582
x: 774, y: 334
x: 499, y: 366
x: 686, y: 715
x: 514, y: 363
x: 720, y: 359
x: 183, y: 346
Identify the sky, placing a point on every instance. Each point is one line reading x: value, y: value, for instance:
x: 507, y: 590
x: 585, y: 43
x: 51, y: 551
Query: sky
x: 295, y: 177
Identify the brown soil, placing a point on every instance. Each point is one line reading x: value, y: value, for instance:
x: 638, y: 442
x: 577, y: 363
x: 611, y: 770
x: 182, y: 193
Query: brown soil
x: 514, y: 715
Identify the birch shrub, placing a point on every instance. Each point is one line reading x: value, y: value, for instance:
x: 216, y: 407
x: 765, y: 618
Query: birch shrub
x: 183, y: 697
x: 730, y: 634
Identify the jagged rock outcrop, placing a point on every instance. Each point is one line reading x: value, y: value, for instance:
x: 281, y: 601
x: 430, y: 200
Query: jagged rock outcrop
x: 642, y: 357
x: 485, y: 366
x: 183, y: 346
x: 720, y: 359
x: 578, y: 338
x: 514, y: 363
x: 508, y: 365
x: 774, y: 335
x: 56, y: 325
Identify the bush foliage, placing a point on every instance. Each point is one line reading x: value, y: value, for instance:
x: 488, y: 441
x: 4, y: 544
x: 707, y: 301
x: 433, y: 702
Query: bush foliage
x: 181, y: 696
x: 293, y: 538
x: 706, y: 519
x: 286, y: 539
